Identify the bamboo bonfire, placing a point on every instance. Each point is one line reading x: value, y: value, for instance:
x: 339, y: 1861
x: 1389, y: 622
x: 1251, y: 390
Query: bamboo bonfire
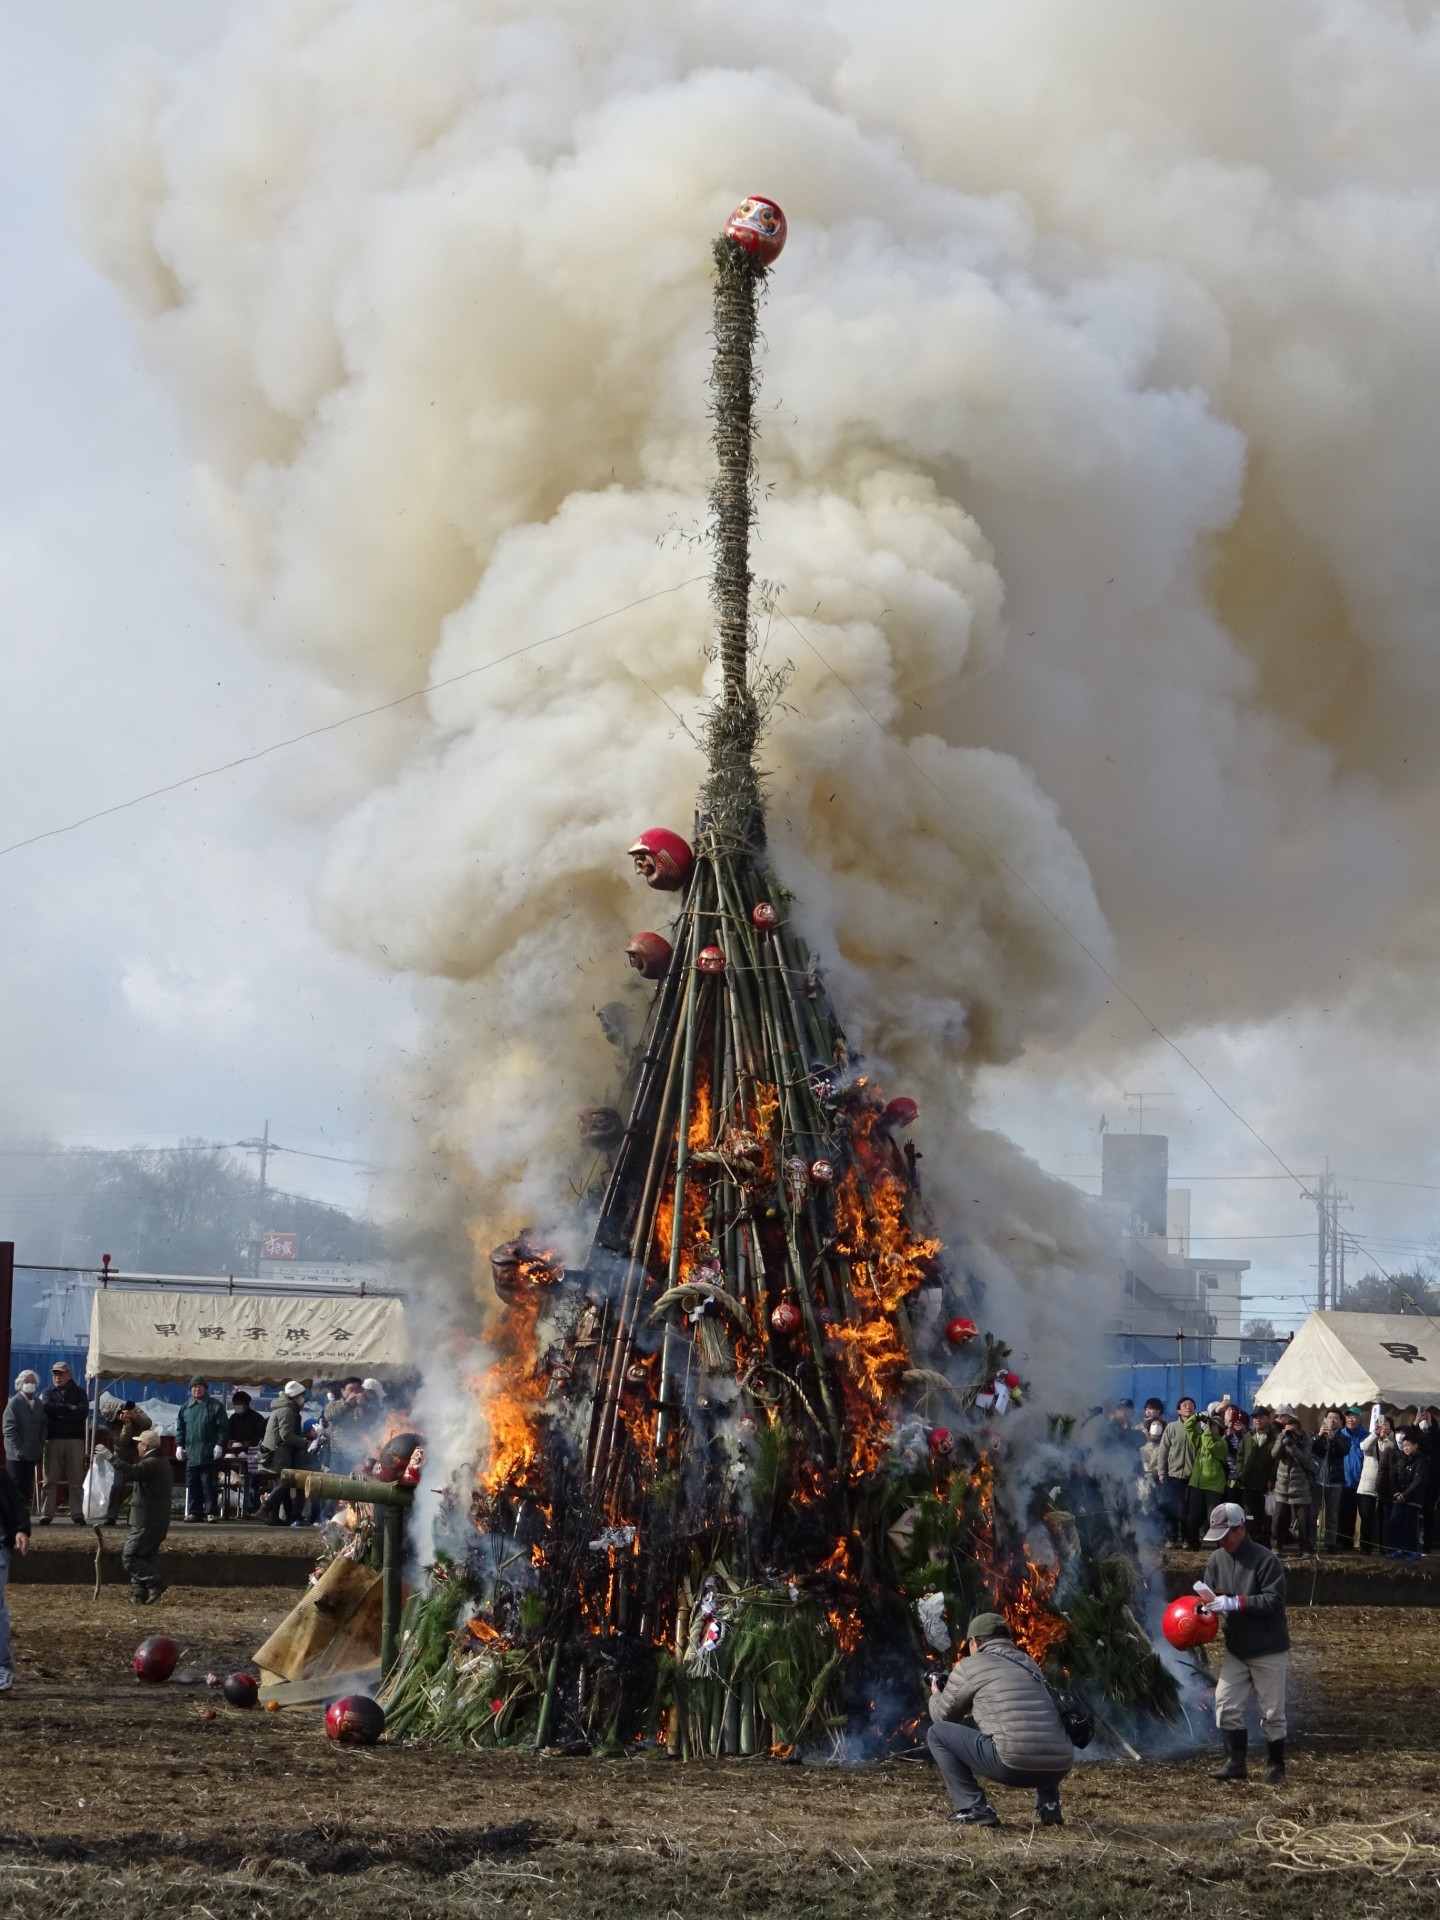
x: 744, y: 1462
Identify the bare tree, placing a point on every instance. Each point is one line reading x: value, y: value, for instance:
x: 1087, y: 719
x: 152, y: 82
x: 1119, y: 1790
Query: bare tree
x: 1413, y: 1292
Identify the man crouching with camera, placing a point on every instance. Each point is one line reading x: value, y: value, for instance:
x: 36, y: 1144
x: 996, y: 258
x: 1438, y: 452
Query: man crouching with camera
x: 1018, y: 1737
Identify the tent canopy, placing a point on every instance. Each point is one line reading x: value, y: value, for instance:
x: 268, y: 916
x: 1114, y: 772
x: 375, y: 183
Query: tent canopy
x: 264, y: 1339
x: 1337, y: 1359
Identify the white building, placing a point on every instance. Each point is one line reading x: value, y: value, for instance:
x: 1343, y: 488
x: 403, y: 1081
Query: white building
x: 1167, y: 1291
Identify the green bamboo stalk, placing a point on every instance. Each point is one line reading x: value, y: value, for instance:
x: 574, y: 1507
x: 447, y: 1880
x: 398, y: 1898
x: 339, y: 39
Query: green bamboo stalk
x: 612, y: 1374
x: 542, y: 1723
x: 663, y: 1419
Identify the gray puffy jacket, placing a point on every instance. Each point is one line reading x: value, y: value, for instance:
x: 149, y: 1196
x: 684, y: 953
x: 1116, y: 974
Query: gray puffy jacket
x: 1003, y: 1691
x: 24, y: 1426
x: 1294, y: 1469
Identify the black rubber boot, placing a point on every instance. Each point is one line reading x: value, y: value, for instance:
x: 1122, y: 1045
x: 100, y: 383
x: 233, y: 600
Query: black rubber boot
x: 1275, y: 1767
x: 1234, y: 1767
x: 1047, y: 1806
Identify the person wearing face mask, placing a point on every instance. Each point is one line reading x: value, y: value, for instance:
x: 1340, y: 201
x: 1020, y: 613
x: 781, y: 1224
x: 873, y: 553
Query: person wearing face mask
x: 1148, y: 1487
x: 24, y: 1430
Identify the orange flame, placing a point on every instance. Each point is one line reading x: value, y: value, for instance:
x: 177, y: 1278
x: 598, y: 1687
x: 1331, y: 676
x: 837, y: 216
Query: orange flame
x: 1026, y: 1603
x: 1026, y: 1599
x: 888, y: 1260
x: 510, y: 1389
x: 480, y: 1630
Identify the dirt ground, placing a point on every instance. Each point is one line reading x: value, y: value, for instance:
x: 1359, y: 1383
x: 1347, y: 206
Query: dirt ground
x: 118, y: 1799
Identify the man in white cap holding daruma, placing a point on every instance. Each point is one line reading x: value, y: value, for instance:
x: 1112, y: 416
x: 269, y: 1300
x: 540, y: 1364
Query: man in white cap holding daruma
x: 1245, y: 1584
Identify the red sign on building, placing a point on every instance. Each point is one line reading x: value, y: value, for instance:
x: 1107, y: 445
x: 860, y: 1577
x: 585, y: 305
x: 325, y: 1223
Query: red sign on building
x: 279, y: 1246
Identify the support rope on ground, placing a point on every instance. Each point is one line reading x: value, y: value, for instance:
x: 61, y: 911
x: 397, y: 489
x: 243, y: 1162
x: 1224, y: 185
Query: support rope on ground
x: 1341, y: 1846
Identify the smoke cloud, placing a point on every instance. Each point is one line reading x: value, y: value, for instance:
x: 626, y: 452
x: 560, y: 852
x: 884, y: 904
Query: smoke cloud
x: 1098, y: 419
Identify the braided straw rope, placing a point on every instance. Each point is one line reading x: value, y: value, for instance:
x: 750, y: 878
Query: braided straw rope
x: 1333, y: 1849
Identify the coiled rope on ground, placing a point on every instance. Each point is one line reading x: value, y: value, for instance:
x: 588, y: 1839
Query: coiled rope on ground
x: 1333, y: 1849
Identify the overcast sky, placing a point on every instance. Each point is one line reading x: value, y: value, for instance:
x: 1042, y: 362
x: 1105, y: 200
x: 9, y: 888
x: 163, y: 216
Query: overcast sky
x: 160, y: 971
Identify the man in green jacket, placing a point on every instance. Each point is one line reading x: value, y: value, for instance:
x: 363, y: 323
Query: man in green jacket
x: 152, y: 1485
x: 200, y: 1432
x: 1210, y: 1474
x: 1018, y: 1737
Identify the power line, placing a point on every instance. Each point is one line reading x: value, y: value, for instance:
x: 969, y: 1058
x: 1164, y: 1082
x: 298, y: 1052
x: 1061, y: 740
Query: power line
x: 1212, y: 1239
x: 199, y: 1146
x: 336, y: 1159
x: 1373, y: 1180
x: 347, y: 720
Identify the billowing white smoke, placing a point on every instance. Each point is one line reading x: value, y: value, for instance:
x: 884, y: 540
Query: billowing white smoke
x: 1130, y: 307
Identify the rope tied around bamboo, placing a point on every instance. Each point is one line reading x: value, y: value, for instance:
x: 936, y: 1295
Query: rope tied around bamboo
x: 734, y: 724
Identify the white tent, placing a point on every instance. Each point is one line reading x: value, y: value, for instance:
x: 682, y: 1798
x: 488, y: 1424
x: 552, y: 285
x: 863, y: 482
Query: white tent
x: 263, y: 1339
x: 1340, y: 1359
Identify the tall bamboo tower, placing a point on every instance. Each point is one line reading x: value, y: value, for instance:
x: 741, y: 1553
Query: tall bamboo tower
x: 743, y: 1461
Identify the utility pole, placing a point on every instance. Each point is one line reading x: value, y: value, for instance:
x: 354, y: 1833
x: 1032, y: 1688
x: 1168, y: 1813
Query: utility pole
x: 1337, y: 1246
x: 1340, y: 1296
x: 1329, y: 1240
x: 262, y: 1147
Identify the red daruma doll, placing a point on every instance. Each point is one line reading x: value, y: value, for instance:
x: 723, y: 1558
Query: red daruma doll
x: 1185, y: 1626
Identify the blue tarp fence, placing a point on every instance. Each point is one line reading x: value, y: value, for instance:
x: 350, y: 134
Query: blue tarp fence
x: 1203, y: 1381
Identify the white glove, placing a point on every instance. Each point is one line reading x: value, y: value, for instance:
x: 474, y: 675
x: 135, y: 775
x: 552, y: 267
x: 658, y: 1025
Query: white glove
x: 219, y: 1452
x: 1225, y: 1603
x: 179, y: 1453
x: 1207, y: 1594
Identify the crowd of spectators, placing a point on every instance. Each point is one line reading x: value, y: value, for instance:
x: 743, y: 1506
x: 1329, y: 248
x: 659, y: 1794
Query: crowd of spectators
x: 1358, y: 1482
x: 233, y: 1456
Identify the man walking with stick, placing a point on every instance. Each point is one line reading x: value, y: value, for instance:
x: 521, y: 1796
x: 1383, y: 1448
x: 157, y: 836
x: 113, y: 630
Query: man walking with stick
x: 152, y: 1482
x: 1245, y: 1584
